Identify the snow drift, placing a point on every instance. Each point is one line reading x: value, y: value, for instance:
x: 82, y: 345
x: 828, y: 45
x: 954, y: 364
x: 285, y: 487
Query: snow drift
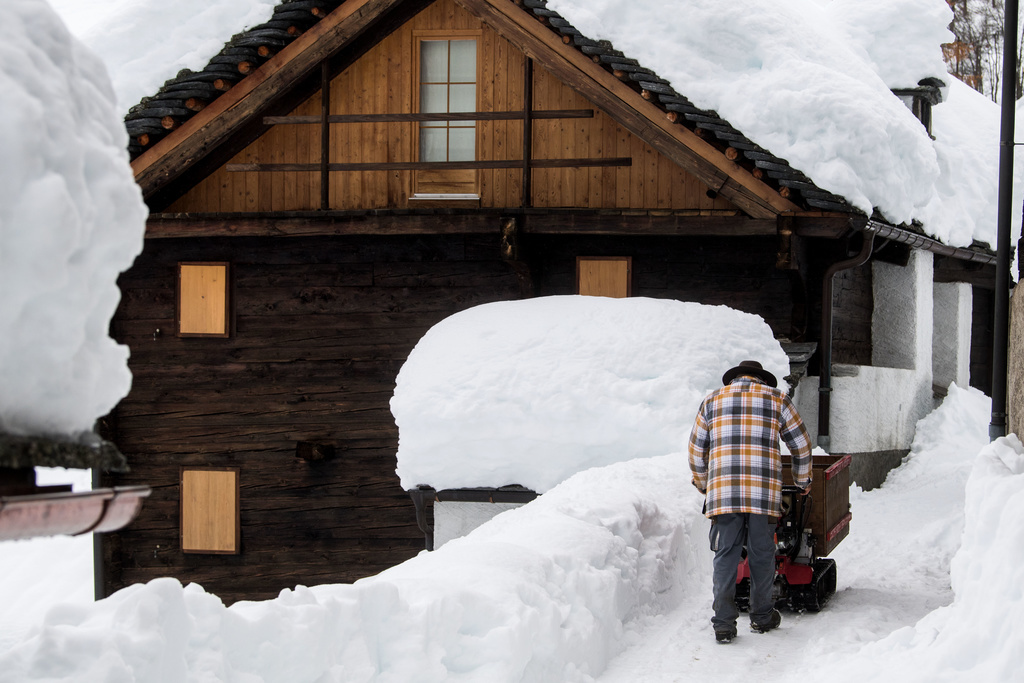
x: 71, y: 219
x: 553, y: 590
x: 978, y: 636
x: 539, y: 594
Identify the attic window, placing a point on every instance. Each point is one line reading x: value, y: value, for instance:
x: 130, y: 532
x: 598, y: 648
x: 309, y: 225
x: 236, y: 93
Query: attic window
x: 447, y: 76
x: 203, y: 299
x: 447, y: 84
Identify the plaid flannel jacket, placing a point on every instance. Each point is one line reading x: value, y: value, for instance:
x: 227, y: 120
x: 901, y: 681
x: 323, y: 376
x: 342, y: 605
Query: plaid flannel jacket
x: 734, y: 448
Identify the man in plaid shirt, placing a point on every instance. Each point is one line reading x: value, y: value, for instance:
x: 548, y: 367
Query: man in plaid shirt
x: 736, y: 463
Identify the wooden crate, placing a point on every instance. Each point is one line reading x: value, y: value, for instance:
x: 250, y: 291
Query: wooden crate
x: 830, y: 499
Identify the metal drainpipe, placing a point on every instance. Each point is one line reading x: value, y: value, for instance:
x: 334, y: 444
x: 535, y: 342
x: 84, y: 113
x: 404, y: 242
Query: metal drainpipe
x: 1004, y: 208
x: 825, y: 372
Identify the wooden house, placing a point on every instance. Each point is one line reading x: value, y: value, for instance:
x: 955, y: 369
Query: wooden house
x: 340, y: 179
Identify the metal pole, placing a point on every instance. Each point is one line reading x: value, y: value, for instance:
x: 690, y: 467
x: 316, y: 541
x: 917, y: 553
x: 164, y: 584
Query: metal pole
x: 997, y: 427
x: 99, y: 588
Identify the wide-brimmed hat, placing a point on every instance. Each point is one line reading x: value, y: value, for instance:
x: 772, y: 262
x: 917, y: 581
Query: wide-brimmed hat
x: 752, y: 368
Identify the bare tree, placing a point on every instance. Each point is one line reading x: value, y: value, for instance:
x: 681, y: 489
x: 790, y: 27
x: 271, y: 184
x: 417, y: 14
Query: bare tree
x: 976, y: 55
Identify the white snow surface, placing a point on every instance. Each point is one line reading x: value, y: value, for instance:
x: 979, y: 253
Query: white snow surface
x: 71, y: 219
x: 810, y: 80
x: 604, y: 578
x: 145, y: 42
x: 530, y: 392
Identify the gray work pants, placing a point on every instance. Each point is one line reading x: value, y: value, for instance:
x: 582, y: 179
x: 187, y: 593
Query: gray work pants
x: 729, y: 534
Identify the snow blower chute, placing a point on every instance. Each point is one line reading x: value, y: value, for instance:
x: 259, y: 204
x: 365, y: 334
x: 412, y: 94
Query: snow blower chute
x: 809, y: 528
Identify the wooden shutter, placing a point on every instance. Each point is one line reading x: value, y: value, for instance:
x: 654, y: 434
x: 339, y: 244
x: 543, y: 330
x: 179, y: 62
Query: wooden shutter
x: 203, y: 300
x: 210, y: 512
x: 604, y: 276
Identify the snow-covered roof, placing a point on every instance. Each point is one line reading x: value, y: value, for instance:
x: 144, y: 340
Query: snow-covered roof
x: 802, y: 89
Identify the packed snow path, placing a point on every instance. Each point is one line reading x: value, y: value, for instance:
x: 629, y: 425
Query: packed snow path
x: 893, y: 569
x: 888, y: 578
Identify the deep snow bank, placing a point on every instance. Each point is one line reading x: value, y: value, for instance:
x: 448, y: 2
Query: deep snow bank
x: 540, y: 593
x: 979, y: 636
x: 530, y: 392
x: 71, y: 219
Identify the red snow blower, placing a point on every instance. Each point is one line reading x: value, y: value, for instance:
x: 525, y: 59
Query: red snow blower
x: 808, y: 529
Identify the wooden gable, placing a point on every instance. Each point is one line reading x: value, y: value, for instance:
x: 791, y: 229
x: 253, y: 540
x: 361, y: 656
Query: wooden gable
x: 365, y: 44
x: 381, y: 82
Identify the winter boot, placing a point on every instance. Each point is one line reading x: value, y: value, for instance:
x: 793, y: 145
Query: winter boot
x: 773, y: 621
x: 725, y: 635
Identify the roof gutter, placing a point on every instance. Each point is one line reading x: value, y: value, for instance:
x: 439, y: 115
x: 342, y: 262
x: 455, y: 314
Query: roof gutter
x: 919, y: 241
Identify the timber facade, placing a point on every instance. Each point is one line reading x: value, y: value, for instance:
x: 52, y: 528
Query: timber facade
x: 316, y: 215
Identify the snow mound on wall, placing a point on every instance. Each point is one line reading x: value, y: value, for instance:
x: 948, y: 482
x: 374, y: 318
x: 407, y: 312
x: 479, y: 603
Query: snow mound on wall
x: 71, y: 219
x: 530, y: 392
x: 538, y: 594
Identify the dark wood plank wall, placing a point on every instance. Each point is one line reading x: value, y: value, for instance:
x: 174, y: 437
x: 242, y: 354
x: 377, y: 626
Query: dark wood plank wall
x: 982, y: 325
x: 853, y: 302
x: 322, y: 326
x: 382, y: 82
x: 738, y: 272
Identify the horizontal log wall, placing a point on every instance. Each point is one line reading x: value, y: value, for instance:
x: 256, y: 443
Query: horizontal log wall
x: 321, y: 328
x: 382, y: 82
x: 982, y: 326
x: 738, y: 272
x: 853, y: 304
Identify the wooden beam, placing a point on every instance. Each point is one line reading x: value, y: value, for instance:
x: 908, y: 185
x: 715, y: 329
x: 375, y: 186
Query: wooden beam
x: 948, y: 269
x: 325, y: 136
x: 443, y: 116
x: 529, y: 115
x: 446, y: 221
x: 164, y: 226
x: 649, y: 224
x: 170, y: 157
x: 629, y: 109
x: 434, y: 165
x: 828, y: 225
